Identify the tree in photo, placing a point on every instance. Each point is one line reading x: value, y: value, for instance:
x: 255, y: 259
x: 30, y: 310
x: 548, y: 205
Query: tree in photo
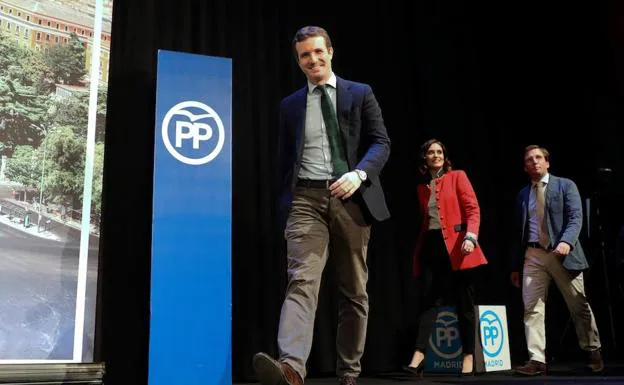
x: 65, y: 153
x: 25, y: 83
x: 67, y: 61
x: 10, y: 52
x: 35, y: 72
x: 22, y: 112
x: 98, y: 168
x: 24, y: 166
x: 74, y: 111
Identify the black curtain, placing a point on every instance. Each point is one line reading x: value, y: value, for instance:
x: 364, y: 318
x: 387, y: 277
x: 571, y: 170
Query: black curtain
x: 486, y: 79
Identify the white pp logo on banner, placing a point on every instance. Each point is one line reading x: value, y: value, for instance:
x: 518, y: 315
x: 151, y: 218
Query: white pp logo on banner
x: 191, y: 130
x: 446, y: 335
x: 494, y: 338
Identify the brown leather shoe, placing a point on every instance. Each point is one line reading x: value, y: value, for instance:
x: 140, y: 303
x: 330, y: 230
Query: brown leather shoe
x: 270, y: 372
x: 595, y: 361
x: 347, y: 380
x: 532, y: 368
x: 292, y: 377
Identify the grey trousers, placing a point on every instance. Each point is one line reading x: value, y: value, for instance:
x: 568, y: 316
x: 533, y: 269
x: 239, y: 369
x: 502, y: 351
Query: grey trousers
x: 540, y: 267
x: 318, y: 223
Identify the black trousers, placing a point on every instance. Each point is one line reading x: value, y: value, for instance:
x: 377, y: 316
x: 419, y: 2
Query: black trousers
x: 439, y: 286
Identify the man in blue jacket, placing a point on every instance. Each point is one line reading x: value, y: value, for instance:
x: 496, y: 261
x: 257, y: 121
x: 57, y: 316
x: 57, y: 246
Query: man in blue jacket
x: 549, y: 217
x: 332, y: 147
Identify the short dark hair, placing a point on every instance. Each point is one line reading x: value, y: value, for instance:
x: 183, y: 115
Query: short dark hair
x: 536, y: 147
x: 308, y: 32
x: 423, y: 156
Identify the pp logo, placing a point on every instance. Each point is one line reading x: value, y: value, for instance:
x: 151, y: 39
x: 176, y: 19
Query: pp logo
x: 193, y: 133
x: 447, y: 344
x: 492, y: 335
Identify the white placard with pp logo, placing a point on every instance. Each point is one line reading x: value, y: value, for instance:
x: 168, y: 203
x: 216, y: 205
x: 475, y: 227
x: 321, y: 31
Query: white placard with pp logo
x: 493, y: 339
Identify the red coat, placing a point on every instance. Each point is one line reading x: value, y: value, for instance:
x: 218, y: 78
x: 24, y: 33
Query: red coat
x: 459, y: 213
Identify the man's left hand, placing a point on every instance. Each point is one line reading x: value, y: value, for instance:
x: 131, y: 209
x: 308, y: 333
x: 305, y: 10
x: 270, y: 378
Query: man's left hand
x: 346, y: 186
x: 562, y: 249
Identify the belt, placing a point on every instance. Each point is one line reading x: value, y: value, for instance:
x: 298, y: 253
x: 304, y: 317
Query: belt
x: 309, y: 183
x: 535, y: 245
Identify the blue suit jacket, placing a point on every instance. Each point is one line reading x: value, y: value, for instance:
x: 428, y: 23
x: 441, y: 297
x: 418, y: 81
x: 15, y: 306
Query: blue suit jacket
x: 564, y: 216
x: 365, y: 138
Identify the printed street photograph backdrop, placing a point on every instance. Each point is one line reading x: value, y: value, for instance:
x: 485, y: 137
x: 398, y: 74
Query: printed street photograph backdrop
x: 54, y: 57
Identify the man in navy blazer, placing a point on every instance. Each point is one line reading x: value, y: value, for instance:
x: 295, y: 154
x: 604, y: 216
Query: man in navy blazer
x: 332, y: 147
x: 549, y: 217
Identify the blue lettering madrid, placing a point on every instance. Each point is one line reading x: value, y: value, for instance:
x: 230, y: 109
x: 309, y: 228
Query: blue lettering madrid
x: 492, y: 335
x: 195, y: 141
x: 494, y: 363
x: 444, y: 340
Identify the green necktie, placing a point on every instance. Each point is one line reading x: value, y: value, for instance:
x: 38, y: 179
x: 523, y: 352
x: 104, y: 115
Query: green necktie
x: 333, y: 133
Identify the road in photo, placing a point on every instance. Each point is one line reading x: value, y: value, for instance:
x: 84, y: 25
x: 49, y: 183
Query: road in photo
x: 38, y: 293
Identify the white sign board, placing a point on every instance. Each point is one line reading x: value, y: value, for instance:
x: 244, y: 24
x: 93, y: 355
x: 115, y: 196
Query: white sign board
x: 494, y: 337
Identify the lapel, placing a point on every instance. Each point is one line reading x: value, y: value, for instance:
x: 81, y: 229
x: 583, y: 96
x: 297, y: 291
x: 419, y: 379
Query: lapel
x: 551, y: 190
x: 525, y: 203
x: 299, y: 119
x: 343, y: 107
x: 525, y: 212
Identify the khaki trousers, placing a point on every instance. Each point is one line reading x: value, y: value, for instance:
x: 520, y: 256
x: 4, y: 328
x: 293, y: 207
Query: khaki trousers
x: 540, y: 267
x: 321, y: 227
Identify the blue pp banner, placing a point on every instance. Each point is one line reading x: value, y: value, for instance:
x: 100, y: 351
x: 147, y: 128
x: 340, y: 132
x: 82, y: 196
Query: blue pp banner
x: 191, y: 300
x: 445, y: 347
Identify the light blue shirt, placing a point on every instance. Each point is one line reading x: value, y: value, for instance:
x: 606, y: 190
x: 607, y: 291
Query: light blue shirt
x: 316, y: 161
x: 533, y: 225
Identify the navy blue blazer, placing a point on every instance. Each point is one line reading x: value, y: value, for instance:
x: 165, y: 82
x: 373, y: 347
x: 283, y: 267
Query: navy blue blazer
x: 564, y: 216
x: 365, y: 138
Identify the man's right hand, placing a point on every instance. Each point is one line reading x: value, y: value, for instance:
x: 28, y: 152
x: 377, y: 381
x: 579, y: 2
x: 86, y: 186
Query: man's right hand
x: 515, y: 279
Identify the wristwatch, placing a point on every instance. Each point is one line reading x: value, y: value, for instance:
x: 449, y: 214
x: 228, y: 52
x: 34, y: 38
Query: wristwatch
x: 361, y: 174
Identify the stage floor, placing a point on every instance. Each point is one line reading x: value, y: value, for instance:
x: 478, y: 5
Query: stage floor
x: 560, y: 375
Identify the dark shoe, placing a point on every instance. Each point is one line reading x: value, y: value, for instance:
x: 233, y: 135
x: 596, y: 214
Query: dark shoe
x: 347, y: 380
x: 270, y: 372
x: 416, y: 371
x: 595, y: 361
x: 532, y: 368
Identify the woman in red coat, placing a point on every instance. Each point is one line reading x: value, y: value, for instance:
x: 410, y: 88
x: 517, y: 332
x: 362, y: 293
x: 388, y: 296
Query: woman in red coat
x: 446, y: 251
